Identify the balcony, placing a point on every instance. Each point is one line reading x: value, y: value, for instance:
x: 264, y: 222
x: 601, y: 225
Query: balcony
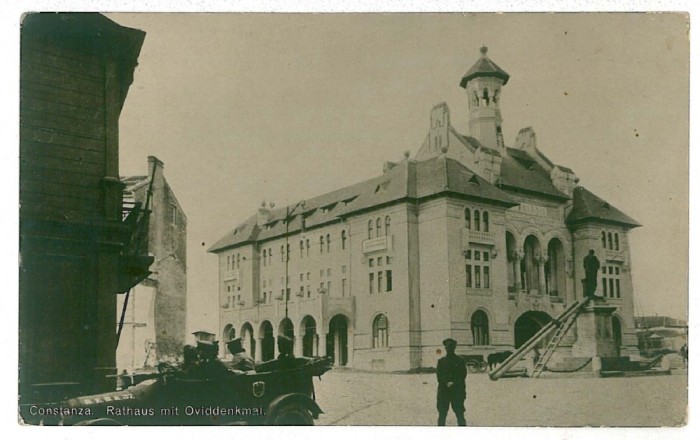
x: 469, y: 236
x: 231, y: 275
x: 377, y: 244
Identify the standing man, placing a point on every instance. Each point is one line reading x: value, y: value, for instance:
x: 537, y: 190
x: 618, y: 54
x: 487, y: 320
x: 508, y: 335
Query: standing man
x: 452, y: 387
x: 591, y: 266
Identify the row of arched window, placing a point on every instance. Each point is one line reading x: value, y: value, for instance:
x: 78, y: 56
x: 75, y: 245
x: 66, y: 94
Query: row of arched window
x: 377, y: 224
x: 610, y: 240
x: 476, y: 220
x: 305, y: 246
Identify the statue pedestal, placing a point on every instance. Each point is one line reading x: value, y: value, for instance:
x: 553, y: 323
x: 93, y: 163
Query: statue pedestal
x: 594, y: 333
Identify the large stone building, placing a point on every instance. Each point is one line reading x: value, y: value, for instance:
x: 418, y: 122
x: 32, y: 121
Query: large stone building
x: 469, y: 239
x: 80, y: 247
x: 155, y: 315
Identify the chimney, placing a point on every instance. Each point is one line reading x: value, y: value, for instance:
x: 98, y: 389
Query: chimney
x: 263, y: 214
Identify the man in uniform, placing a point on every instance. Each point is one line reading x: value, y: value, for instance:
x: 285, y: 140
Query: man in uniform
x: 452, y: 388
x: 591, y: 266
x: 209, y: 365
x: 285, y: 347
x: 241, y: 360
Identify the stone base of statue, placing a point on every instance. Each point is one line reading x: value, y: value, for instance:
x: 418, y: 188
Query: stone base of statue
x: 594, y: 333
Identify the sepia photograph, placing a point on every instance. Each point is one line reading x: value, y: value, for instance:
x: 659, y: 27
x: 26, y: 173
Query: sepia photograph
x: 365, y: 219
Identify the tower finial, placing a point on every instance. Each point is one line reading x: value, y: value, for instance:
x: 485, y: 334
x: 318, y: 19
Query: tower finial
x: 483, y: 50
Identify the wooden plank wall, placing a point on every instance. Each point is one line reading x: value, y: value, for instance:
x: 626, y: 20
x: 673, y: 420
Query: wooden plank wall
x: 62, y: 133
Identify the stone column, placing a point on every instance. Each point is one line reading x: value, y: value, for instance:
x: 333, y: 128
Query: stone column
x: 518, y: 275
x: 314, y: 345
x: 336, y: 348
x: 258, y: 350
x: 298, y: 345
x: 543, y: 282
x: 322, y: 344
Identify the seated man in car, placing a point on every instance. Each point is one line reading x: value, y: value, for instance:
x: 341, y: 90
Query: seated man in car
x: 241, y: 360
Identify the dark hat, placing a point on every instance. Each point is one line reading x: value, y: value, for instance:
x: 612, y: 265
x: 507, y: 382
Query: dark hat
x: 449, y: 342
x: 204, y: 336
x: 235, y: 345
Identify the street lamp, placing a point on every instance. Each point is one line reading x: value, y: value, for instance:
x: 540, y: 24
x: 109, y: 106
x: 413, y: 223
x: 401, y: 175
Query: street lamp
x: 286, y: 257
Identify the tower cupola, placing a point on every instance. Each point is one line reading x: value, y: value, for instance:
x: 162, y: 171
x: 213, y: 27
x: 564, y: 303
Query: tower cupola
x: 483, y: 83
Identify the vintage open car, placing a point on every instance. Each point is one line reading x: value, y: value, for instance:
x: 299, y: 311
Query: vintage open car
x: 270, y: 396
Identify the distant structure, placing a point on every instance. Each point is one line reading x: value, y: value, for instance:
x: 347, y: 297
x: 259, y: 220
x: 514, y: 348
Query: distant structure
x: 657, y: 333
x: 80, y: 246
x: 470, y: 239
x: 155, y: 315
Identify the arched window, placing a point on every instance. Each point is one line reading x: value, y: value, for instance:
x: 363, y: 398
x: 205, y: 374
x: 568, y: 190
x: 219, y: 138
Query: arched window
x: 467, y: 218
x: 328, y: 242
x: 485, y: 218
x: 343, y: 238
x: 610, y: 241
x: 379, y: 227
x: 496, y: 94
x: 387, y: 225
x: 477, y: 220
x: 617, y: 242
x: 475, y: 99
x: 480, y: 328
x: 322, y: 243
x: 380, y: 332
x: 605, y: 243
x: 370, y: 226
x: 264, y: 257
x: 486, y: 95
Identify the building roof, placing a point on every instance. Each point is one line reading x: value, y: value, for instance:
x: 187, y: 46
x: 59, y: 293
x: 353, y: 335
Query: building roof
x: 587, y: 207
x: 521, y: 172
x: 484, y: 68
x: 408, y: 180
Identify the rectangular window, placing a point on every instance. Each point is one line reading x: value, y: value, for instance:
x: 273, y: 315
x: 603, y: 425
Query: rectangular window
x: 487, y: 281
x: 329, y: 288
x: 617, y: 287
x: 388, y: 260
x: 389, y: 285
x: 380, y: 281
x: 344, y: 269
x: 605, y: 286
x: 469, y: 275
x: 328, y: 272
x: 477, y: 277
x: 468, y: 255
x: 343, y: 286
x: 308, y: 276
x: 308, y: 291
x: 611, y: 287
x: 322, y: 287
x: 477, y: 255
x: 307, y: 247
x: 301, y: 277
x: 486, y: 256
x: 380, y: 261
x: 371, y: 283
x: 371, y: 262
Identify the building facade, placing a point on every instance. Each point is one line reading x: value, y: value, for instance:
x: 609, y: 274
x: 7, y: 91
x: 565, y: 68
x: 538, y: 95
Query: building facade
x: 79, y: 246
x: 155, y: 314
x: 469, y: 239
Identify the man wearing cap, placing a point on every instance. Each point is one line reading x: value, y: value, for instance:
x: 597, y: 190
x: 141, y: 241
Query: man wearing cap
x: 241, y: 361
x: 285, y: 346
x: 452, y: 388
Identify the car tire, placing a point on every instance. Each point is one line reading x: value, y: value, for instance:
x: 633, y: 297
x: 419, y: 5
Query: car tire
x: 292, y: 414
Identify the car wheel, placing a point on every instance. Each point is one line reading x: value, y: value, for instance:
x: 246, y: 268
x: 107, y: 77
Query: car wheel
x: 293, y: 414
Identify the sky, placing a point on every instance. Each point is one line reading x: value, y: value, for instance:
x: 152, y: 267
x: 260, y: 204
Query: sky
x: 243, y: 108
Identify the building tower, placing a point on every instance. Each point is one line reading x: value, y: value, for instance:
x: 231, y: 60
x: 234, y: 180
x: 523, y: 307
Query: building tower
x: 483, y: 83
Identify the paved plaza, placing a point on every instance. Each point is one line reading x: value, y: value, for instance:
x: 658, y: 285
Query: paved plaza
x: 362, y: 398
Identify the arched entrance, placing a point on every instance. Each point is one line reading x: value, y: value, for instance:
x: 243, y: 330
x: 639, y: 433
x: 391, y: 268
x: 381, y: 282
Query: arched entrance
x: 337, y: 342
x: 267, y: 349
x: 530, y: 272
x: 286, y: 328
x: 527, y: 326
x: 248, y: 338
x: 617, y: 333
x: 555, y: 272
x: 228, y: 334
x: 309, y: 338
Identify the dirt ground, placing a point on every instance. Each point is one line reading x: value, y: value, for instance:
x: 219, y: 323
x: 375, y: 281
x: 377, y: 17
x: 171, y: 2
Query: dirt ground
x: 361, y: 398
